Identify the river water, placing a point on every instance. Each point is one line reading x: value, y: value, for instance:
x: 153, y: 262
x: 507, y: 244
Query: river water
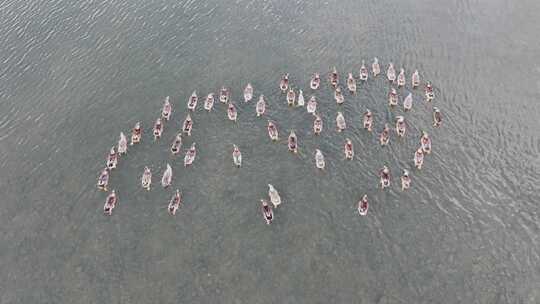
x: 73, y: 74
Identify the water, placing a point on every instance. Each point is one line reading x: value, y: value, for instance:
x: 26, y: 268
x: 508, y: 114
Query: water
x: 75, y: 74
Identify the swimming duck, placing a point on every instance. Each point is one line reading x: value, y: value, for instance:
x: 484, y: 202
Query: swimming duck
x: 407, y: 102
x: 231, y: 112
x: 312, y: 105
x: 237, y: 156
x: 405, y: 180
x: 191, y: 153
x: 384, y: 138
x: 317, y: 125
x: 248, y: 92
x: 319, y: 159
x: 363, y: 205
x: 136, y: 134
x: 375, y: 67
x: 175, y: 202
x: 158, y: 128
x: 177, y: 144
x: 351, y: 83
x: 272, y: 131
x: 103, y: 180
x: 112, y: 159
x: 368, y: 120
x: 391, y: 72
x: 187, y: 125
x: 268, y: 213
x: 284, y: 83
x: 209, y: 102
x: 192, y: 101
x: 110, y: 203
x: 167, y: 109
x: 122, y: 144
x: 384, y: 174
x: 167, y: 177
x: 348, y: 149
x: 146, y: 179
x: 261, y: 106
x: 401, y: 127
x: 292, y: 142
x: 315, y: 81
x: 275, y: 198
x: 340, y: 122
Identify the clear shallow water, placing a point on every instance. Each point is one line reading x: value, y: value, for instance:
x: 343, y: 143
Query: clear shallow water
x: 73, y: 75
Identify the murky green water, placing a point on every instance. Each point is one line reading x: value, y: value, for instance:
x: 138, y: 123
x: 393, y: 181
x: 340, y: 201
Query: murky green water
x: 75, y: 74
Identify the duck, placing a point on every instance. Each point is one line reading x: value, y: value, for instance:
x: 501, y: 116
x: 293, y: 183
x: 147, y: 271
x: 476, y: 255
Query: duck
x: 429, y: 91
x: 319, y: 159
x: 368, y: 120
x: 292, y: 142
x: 158, y: 129
x: 177, y: 144
x: 192, y: 101
x: 191, y: 153
x: 272, y: 131
x: 268, y: 213
x: 300, y: 102
x: 146, y: 179
x: 363, y: 206
x: 209, y: 102
x: 401, y: 78
x: 110, y: 203
x: 334, y: 78
x: 315, y: 81
x: 166, y: 179
x: 351, y: 83
x: 317, y: 125
x: 103, y: 180
x: 384, y: 138
x: 260, y: 108
x: 392, y: 97
x: 400, y: 126
x: 348, y: 149
x: 136, y: 133
x: 415, y: 79
x: 391, y: 72
x: 437, y: 117
x: 224, y: 95
x: 340, y: 122
x: 122, y: 144
x: 112, y: 159
x: 187, y: 125
x: 175, y: 202
x: 275, y: 198
x: 231, y: 112
x: 167, y: 109
x: 248, y: 92
x: 407, y: 102
x: 384, y: 174
x: 237, y: 156
x: 375, y: 67
x: 419, y: 158
x: 405, y: 180
x: 284, y: 82
x: 291, y: 96
x: 312, y: 105
x: 338, y: 96
x: 364, y: 70
x: 425, y: 143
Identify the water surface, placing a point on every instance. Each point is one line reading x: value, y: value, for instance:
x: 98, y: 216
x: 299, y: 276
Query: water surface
x: 75, y: 74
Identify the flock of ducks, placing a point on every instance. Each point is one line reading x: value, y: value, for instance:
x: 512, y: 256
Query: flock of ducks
x: 292, y: 100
